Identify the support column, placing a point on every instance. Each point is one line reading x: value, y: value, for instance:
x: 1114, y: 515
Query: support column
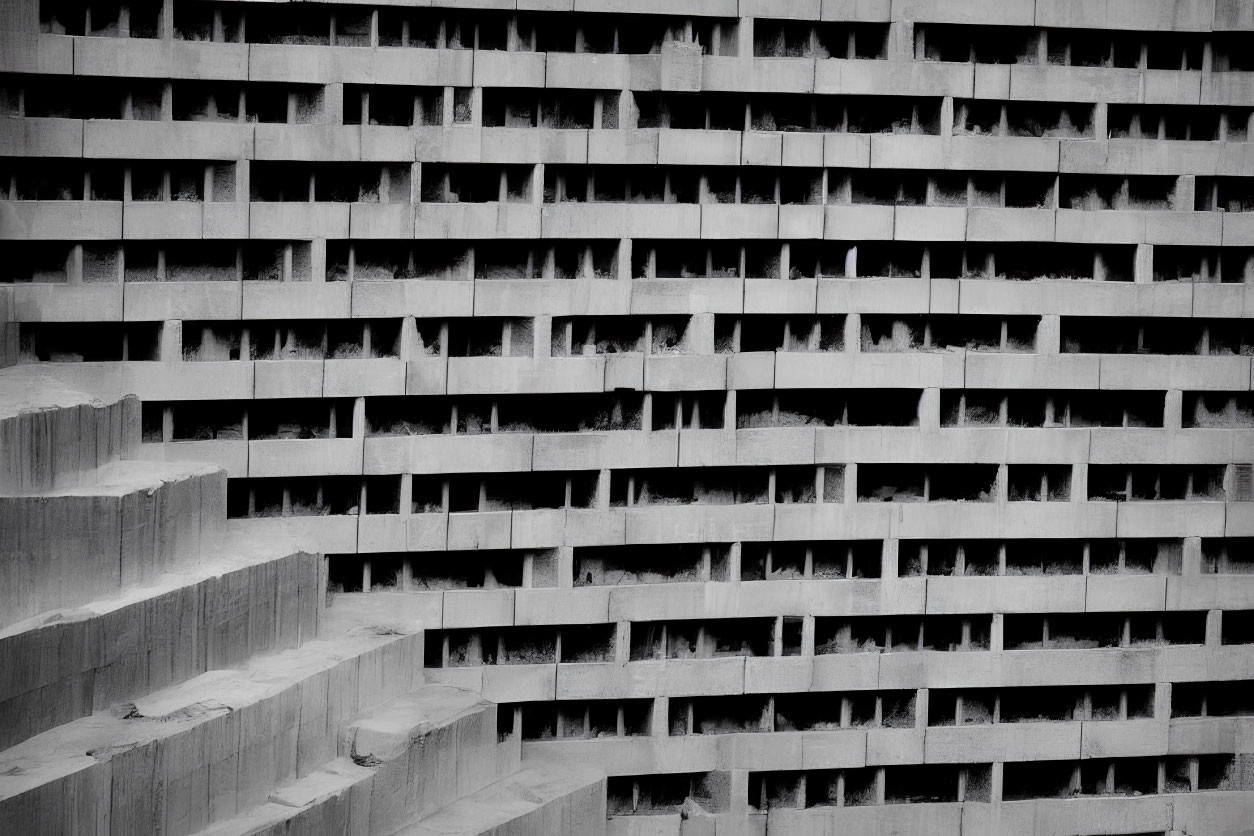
x: 1143, y: 266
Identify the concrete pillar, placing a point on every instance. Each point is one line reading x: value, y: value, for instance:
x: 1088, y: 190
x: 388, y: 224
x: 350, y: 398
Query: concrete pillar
x: 1079, y: 482
x: 1049, y: 335
x: 359, y: 418
x: 1101, y: 130
x: 901, y: 40
x: 738, y: 789
x: 446, y: 104
x: 1214, y: 628
x: 622, y: 639
x: 411, y: 349
x: 929, y: 409
x: 172, y: 341
x: 1182, y: 199
x: 242, y: 182
x: 603, y: 490
x: 700, y: 334
x: 947, y: 116
x: 890, y: 560
x: 624, y: 260
x: 851, y: 484
x: 995, y: 634
x: 542, y: 337
x: 317, y: 262
x: 406, y: 508
x: 1173, y: 409
x: 807, y: 635
x: 744, y: 39
x: 74, y: 265
x: 660, y: 726
x: 853, y: 333
x: 1143, y: 265
x: 165, y: 22
x: 1162, y: 701
x: 332, y: 110
x: 565, y: 566
x: 1191, y: 560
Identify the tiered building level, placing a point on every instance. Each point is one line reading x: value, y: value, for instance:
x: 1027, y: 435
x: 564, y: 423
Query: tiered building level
x: 819, y: 415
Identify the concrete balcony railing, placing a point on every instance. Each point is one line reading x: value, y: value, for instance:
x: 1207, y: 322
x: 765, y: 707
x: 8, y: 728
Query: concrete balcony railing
x: 158, y: 140
x: 331, y: 534
x: 883, y: 295
x: 292, y: 220
x: 306, y: 142
x: 992, y: 224
x: 1081, y: 298
x: 60, y: 220
x: 1114, y: 445
x: 780, y: 296
x: 1229, y: 88
x: 296, y: 299
x: 615, y: 220
x: 1150, y: 156
x: 363, y: 377
x: 494, y: 453
x: 532, y: 297
x: 605, y: 449
x: 290, y: 378
x: 841, y: 370
x: 159, y: 58
x: 1057, y: 593
x: 230, y: 455
x: 41, y: 137
x: 179, y: 381
x: 501, y: 683
x: 304, y: 457
x: 1191, y: 735
x: 1194, y: 372
x: 989, y: 370
x: 1217, y: 592
x: 893, y: 78
x: 162, y: 220
x: 662, y: 678
x: 1005, y: 153
x: 588, y: 71
x: 1003, y: 742
x: 532, y: 145
x: 380, y: 220
x: 681, y: 296
x: 1028, y: 445
x: 698, y: 523
x: 476, y: 220
x: 412, y: 297
x: 505, y: 375
x: 159, y: 301
x: 1165, y: 518
x: 1076, y: 84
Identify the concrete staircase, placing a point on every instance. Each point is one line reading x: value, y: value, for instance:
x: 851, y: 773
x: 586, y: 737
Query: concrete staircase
x: 158, y: 676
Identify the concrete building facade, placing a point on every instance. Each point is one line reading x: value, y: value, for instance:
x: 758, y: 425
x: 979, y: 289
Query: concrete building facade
x: 816, y: 416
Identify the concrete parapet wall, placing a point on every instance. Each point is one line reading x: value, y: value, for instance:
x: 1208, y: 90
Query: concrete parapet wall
x: 139, y: 520
x: 65, y: 664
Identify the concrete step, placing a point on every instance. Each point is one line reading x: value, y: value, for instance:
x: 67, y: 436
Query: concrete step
x: 54, y: 437
x: 68, y: 547
x: 405, y: 759
x: 64, y: 664
x: 202, y: 751
x: 545, y: 797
